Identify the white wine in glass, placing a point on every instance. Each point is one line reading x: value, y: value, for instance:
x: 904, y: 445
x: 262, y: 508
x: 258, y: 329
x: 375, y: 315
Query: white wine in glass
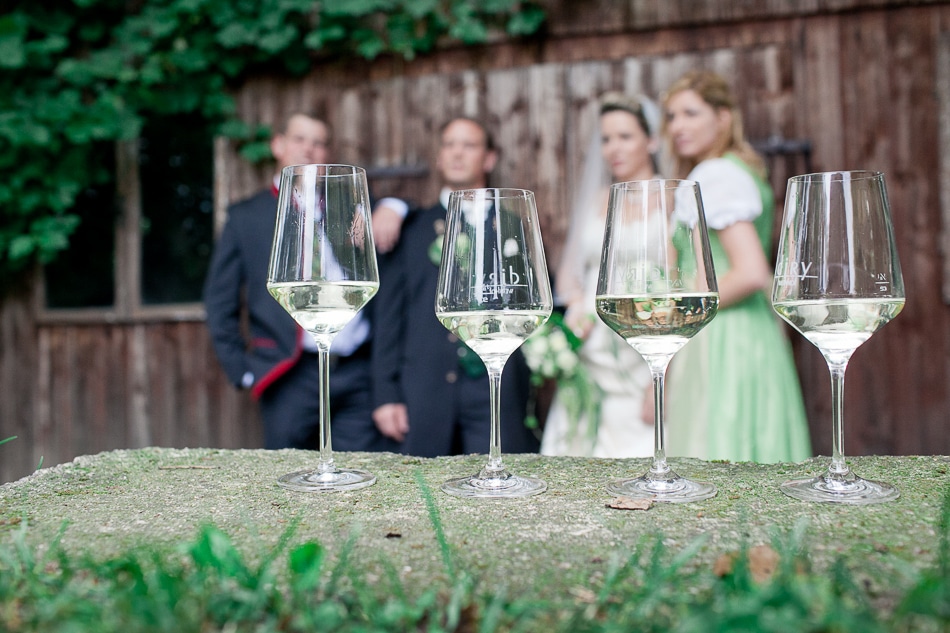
x: 657, y: 289
x: 322, y: 272
x: 493, y: 293
x: 837, y: 281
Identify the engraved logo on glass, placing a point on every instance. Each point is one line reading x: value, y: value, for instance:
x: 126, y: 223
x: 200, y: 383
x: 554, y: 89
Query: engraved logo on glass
x: 790, y: 275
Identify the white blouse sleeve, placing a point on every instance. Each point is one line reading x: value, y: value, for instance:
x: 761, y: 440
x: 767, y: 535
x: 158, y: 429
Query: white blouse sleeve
x: 729, y: 193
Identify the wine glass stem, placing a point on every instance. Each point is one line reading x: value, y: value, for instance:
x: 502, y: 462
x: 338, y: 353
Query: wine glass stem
x: 659, y: 445
x: 326, y: 450
x: 838, y: 465
x: 494, y: 395
x: 658, y: 365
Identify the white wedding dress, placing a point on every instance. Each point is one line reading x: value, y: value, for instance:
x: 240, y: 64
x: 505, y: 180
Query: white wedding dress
x: 619, y: 371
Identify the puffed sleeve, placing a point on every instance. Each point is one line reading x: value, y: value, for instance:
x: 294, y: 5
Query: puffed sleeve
x: 729, y: 193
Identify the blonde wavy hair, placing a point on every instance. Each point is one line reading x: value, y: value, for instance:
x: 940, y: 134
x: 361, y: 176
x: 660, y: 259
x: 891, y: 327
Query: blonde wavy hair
x: 714, y: 90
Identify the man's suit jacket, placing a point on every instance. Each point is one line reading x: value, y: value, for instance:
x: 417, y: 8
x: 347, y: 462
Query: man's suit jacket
x: 239, y: 262
x: 416, y: 360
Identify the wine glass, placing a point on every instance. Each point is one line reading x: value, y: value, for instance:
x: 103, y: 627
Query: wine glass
x: 493, y: 293
x: 322, y: 272
x: 656, y: 289
x: 837, y: 281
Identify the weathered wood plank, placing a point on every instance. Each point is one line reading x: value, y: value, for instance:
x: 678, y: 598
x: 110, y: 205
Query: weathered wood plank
x: 943, y: 96
x: 546, y: 132
x: 19, y: 345
x: 506, y: 110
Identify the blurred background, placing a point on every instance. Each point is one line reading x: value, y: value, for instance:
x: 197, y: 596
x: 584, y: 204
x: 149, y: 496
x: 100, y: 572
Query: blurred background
x: 128, y: 128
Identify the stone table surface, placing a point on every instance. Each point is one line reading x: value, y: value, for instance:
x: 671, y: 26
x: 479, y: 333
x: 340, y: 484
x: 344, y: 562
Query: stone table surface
x: 548, y: 544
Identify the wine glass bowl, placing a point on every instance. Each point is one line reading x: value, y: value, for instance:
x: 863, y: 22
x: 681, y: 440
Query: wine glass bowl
x: 837, y: 281
x: 493, y: 293
x: 656, y: 289
x: 322, y: 271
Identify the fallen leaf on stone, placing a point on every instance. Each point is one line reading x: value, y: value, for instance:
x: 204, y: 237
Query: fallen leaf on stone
x: 626, y: 503
x: 763, y: 560
x: 723, y: 565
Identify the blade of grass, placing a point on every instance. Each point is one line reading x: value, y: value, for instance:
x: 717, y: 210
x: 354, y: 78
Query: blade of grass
x: 436, y: 521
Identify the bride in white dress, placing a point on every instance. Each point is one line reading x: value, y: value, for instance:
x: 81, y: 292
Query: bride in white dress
x: 627, y: 143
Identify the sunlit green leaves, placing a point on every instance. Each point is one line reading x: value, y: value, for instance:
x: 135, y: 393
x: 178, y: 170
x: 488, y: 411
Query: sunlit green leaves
x: 526, y: 22
x: 80, y: 72
x: 18, y: 129
x: 278, y: 39
x: 358, y: 8
x: 50, y: 234
x: 324, y: 36
x: 20, y: 247
x: 12, y: 41
x: 369, y: 43
x: 466, y: 25
x: 237, y: 34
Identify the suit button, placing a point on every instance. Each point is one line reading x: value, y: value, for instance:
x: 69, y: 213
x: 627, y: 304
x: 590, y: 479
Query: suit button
x: 451, y: 377
x: 453, y: 338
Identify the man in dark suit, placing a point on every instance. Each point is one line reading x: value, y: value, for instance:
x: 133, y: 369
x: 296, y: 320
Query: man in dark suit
x: 278, y: 361
x: 430, y: 391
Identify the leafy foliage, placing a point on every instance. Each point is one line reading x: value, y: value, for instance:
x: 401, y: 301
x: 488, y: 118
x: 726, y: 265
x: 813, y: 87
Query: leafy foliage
x: 80, y: 73
x: 929, y: 599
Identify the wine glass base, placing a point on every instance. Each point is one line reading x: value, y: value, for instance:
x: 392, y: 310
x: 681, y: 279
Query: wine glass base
x: 669, y: 487
x: 499, y: 487
x: 849, y: 489
x: 335, y: 480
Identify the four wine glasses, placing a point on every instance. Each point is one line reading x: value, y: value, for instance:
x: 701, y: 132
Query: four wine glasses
x: 493, y: 293
x: 837, y: 281
x: 657, y: 289
x: 322, y: 272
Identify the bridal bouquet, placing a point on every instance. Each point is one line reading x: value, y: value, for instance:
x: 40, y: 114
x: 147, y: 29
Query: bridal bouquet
x: 552, y: 354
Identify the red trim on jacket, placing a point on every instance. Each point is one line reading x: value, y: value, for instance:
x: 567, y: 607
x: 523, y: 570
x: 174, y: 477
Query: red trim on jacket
x: 280, y: 368
x: 285, y: 365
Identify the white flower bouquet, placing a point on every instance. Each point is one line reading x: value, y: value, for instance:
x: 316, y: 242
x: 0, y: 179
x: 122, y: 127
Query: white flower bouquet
x: 552, y: 354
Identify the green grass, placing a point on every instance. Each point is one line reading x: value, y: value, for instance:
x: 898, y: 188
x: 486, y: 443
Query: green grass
x: 209, y: 585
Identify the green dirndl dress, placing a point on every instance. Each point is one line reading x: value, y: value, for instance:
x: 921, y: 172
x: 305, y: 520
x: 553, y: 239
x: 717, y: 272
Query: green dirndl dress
x: 733, y: 391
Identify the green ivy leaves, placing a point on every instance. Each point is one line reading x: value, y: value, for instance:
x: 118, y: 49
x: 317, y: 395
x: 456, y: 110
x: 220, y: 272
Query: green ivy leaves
x: 80, y: 73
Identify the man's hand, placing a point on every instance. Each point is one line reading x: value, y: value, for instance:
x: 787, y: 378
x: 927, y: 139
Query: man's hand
x: 580, y: 320
x: 392, y: 420
x: 387, y: 225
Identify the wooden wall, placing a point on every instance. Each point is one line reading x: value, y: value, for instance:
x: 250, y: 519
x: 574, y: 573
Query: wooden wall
x: 858, y: 80
x: 81, y: 388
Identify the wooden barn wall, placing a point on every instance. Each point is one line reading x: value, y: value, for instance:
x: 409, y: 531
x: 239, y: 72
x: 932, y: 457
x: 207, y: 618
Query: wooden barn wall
x: 856, y: 79
x: 77, y: 389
